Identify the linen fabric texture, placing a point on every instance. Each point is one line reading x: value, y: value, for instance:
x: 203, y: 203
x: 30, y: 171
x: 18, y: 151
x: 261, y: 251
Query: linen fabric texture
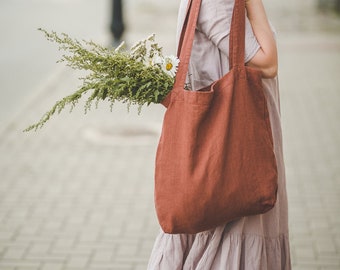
x: 251, y: 242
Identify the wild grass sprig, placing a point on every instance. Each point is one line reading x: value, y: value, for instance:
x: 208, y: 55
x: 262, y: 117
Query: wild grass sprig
x: 140, y: 76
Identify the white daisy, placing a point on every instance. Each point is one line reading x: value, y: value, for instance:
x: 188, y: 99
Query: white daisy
x: 170, y: 65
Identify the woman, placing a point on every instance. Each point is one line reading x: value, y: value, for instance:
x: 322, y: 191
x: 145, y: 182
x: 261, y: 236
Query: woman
x: 256, y: 242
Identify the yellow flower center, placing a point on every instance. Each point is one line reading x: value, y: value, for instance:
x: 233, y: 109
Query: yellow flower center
x: 168, y: 66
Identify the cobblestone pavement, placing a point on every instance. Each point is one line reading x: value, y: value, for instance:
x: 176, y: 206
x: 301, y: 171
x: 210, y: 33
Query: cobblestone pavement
x: 78, y: 194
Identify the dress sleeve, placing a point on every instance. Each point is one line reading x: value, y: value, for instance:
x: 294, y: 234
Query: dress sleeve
x: 214, y: 21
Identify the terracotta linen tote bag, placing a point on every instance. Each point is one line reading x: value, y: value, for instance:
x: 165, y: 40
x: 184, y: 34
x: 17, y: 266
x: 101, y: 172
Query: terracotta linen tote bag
x: 215, y: 161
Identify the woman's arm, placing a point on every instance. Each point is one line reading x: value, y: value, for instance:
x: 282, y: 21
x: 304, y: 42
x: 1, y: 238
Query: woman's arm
x: 266, y: 57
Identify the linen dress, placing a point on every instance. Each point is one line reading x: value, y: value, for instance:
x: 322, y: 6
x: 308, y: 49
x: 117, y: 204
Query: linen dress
x: 257, y: 242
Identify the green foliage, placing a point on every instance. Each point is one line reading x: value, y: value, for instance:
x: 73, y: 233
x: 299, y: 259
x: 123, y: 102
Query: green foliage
x: 113, y: 74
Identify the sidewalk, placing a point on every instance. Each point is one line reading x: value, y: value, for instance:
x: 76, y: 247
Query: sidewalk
x: 78, y: 194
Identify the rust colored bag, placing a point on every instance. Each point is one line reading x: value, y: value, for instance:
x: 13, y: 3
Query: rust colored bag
x: 215, y: 161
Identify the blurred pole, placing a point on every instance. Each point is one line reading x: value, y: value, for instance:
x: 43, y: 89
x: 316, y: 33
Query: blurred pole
x: 117, y: 23
x: 337, y: 6
x: 322, y: 4
x: 329, y: 4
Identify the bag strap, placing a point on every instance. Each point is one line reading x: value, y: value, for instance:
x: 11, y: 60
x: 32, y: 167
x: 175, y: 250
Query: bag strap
x: 236, y: 41
x: 186, y: 41
x: 184, y: 26
x: 237, y: 35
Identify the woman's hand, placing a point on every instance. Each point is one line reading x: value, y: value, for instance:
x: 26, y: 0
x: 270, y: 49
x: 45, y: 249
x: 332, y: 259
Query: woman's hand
x: 266, y: 57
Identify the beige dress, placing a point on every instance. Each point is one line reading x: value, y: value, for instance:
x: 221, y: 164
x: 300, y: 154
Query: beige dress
x: 257, y: 242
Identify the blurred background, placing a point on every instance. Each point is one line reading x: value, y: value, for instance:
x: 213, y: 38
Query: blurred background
x: 78, y: 194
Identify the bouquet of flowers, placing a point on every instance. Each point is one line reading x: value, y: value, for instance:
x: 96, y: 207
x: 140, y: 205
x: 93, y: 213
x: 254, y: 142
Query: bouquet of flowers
x: 141, y: 76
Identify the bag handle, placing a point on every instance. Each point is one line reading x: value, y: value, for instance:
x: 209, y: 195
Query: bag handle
x: 237, y: 35
x: 236, y: 41
x: 186, y: 41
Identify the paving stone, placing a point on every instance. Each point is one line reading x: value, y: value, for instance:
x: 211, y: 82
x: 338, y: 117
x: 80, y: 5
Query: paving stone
x: 103, y: 256
x: 16, y: 264
x: 326, y: 246
x: 26, y: 268
x: 53, y: 266
x: 39, y: 248
x: 305, y: 267
x: 14, y: 253
x: 78, y: 262
x: 122, y: 266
